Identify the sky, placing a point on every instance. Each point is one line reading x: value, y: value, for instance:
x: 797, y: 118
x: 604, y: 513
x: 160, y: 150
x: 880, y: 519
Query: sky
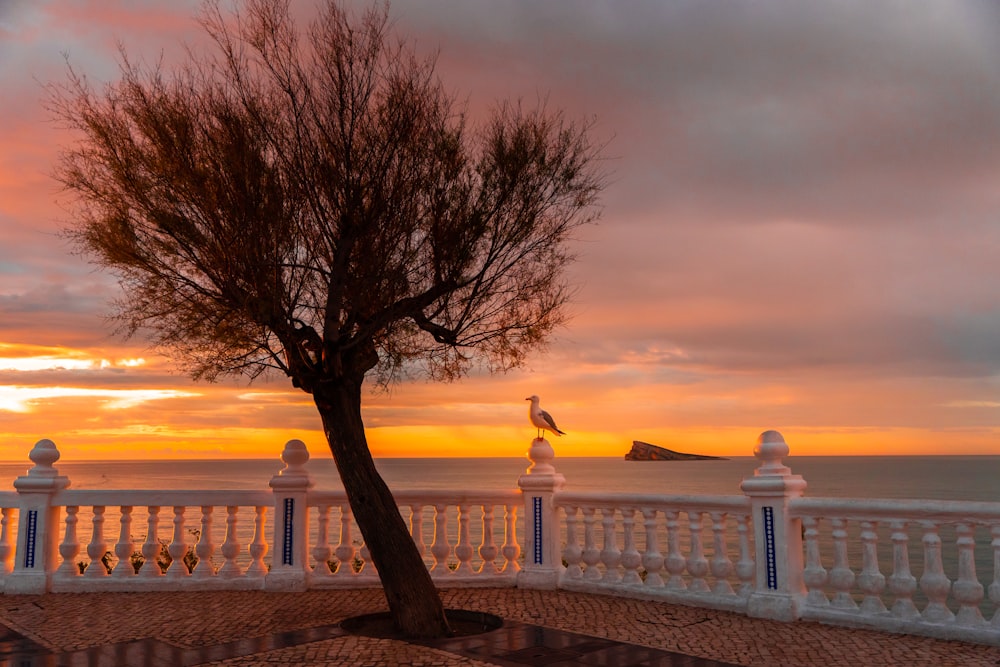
x: 800, y: 231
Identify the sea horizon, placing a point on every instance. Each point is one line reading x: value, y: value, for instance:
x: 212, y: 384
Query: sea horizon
x: 944, y: 477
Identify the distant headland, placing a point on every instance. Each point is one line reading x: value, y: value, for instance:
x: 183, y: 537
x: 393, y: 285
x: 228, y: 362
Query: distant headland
x: 643, y: 451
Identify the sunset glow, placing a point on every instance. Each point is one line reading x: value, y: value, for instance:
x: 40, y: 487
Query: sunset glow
x: 801, y: 231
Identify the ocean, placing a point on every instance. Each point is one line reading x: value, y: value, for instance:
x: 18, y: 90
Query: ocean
x: 915, y: 477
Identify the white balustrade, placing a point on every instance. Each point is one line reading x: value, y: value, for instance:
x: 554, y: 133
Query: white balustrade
x: 146, y: 510
x: 872, y: 547
x: 464, y: 547
x: 940, y: 534
x: 616, y: 564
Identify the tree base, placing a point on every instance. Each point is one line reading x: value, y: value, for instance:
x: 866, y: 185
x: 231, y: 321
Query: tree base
x: 463, y: 623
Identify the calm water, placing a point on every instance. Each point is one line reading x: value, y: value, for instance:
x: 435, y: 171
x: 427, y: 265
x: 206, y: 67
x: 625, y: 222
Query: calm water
x: 938, y: 477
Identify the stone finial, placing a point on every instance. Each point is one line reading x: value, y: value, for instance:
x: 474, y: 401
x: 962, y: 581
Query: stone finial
x: 541, y: 456
x: 43, y: 455
x: 770, y: 450
x: 43, y: 475
x: 294, y: 456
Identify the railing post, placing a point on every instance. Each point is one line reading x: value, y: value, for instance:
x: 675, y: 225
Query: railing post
x: 779, y: 591
x: 289, y: 560
x: 543, y: 560
x: 38, y: 522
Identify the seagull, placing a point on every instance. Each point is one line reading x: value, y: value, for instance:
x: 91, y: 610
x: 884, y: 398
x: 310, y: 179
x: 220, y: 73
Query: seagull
x: 541, y: 419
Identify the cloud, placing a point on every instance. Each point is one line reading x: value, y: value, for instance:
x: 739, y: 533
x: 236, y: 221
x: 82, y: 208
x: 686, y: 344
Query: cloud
x: 800, y: 226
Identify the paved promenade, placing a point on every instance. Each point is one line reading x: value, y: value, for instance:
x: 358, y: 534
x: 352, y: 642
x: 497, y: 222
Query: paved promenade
x: 543, y: 628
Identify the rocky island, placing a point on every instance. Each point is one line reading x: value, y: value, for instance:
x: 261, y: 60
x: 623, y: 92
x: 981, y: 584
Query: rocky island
x: 643, y: 451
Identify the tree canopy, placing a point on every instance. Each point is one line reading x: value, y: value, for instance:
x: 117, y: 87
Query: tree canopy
x: 313, y: 202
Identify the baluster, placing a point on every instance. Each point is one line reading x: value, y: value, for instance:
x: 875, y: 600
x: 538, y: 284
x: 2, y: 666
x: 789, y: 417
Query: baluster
x: 722, y: 565
x: 697, y: 564
x: 230, y: 546
x: 934, y: 583
x: 70, y: 546
x: 258, y: 548
x: 630, y: 560
x: 463, y: 550
x: 204, y: 549
x: 841, y: 576
x: 995, y: 586
x: 902, y: 583
x: 345, y: 549
x: 322, y: 552
x: 745, y: 567
x: 488, y: 550
x: 814, y: 574
x: 440, y: 548
x: 573, y: 553
x: 652, y: 559
x: 610, y: 555
x: 967, y: 589
x: 6, y: 550
x: 178, y: 547
x: 675, y: 559
x: 417, y: 529
x: 151, y: 547
x: 591, y: 554
x: 124, y: 547
x: 511, y: 547
x: 97, y: 547
x: 367, y: 565
x: 871, y: 581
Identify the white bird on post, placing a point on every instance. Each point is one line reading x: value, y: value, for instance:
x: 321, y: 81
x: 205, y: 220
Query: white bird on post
x: 541, y: 419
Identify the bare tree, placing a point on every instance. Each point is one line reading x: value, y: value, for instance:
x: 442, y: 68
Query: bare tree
x: 312, y: 202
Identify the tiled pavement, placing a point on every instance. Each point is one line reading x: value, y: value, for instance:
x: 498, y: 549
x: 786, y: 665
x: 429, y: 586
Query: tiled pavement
x: 541, y: 629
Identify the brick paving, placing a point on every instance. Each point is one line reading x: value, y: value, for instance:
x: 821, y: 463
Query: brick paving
x: 202, y: 626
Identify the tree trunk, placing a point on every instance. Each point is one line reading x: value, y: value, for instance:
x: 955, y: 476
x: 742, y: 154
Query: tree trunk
x: 413, y: 600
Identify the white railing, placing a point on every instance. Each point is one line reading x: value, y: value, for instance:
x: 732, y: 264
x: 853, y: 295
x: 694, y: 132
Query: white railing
x: 180, y: 549
x: 695, y: 568
x: 902, y: 565
x: 465, y: 538
x: 925, y: 567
